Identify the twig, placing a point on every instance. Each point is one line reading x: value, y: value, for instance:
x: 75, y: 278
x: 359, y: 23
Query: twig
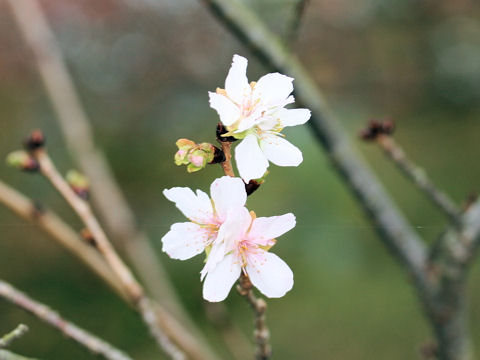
x: 418, y: 176
x: 259, y: 306
x: 131, y: 286
x: 70, y: 330
x: 106, y: 192
x: 396, y: 232
x: 8, y: 355
x: 52, y: 225
x: 17, y: 333
x: 60, y: 231
x: 297, y: 14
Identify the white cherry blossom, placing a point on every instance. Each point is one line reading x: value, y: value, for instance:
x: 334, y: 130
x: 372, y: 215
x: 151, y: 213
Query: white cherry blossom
x: 247, y: 252
x: 256, y: 113
x: 211, y: 219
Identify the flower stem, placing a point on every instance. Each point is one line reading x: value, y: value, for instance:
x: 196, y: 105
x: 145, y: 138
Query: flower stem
x: 227, y: 164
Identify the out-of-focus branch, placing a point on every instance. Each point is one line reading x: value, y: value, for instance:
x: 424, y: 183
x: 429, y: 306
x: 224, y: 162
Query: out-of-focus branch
x: 259, y: 306
x: 66, y: 237
x: 412, y: 171
x: 106, y: 192
x: 8, y: 355
x: 70, y: 330
x: 13, y: 335
x: 53, y: 226
x: 297, y: 15
x: 131, y: 286
x: 397, y: 234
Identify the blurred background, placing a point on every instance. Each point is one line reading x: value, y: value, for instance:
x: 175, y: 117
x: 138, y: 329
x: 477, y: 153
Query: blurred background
x: 143, y: 69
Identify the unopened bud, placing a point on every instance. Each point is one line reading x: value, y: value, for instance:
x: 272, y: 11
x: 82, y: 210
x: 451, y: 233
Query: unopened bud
x: 196, y: 156
x: 35, y: 140
x: 79, y: 183
x: 23, y: 161
x: 376, y: 128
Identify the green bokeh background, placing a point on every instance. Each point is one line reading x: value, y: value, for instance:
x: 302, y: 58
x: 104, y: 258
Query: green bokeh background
x: 143, y: 69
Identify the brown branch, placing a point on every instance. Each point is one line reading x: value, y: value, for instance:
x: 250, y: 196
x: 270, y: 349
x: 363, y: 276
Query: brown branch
x: 61, y: 232
x: 106, y: 193
x: 131, y: 286
x: 66, y: 237
x: 418, y: 176
x: 227, y: 164
x: 15, y: 334
x: 70, y: 330
x: 259, y: 306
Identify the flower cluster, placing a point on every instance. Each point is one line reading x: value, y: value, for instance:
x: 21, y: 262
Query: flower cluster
x: 234, y: 239
x: 256, y: 114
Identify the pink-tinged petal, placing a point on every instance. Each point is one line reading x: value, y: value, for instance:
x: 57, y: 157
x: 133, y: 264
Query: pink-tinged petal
x: 226, y: 109
x: 228, y: 193
x: 236, y: 84
x: 273, y: 88
x: 270, y: 274
x: 279, y: 151
x: 251, y: 162
x: 196, y: 207
x: 267, y: 228
x: 184, y: 241
x: 235, y: 227
x: 292, y: 117
x: 220, y: 280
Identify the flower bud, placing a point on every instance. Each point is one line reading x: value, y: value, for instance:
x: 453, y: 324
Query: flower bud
x: 35, y: 140
x: 79, y: 183
x: 23, y: 161
x: 197, y: 156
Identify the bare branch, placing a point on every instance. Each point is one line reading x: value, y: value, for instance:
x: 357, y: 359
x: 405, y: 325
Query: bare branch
x: 397, y: 234
x: 66, y: 237
x: 418, y: 176
x: 297, y: 15
x: 15, y: 334
x: 70, y: 330
x: 259, y: 306
x: 53, y: 226
x: 131, y: 286
x: 106, y: 192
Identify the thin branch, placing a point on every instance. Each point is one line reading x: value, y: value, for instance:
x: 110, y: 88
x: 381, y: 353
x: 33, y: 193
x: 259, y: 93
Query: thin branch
x: 66, y: 237
x: 418, y: 176
x: 8, y: 355
x: 131, y: 286
x: 70, y: 330
x: 297, y: 15
x: 55, y: 227
x: 106, y: 193
x: 259, y: 306
x: 397, y: 233
x: 15, y: 334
